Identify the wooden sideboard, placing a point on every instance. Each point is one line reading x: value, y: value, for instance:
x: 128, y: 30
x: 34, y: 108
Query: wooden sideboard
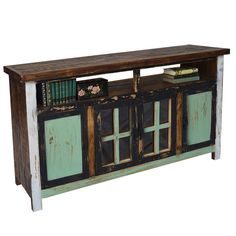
x: 143, y: 123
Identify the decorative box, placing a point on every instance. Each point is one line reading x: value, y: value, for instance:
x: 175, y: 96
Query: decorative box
x: 92, y: 88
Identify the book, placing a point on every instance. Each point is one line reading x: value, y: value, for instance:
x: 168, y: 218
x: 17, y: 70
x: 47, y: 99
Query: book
x: 53, y: 93
x: 57, y: 92
x: 48, y: 94
x: 176, y: 71
x: 182, y: 80
x: 73, y: 90
x: 180, y: 76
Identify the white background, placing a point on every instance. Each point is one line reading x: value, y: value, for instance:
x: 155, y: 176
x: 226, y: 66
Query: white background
x: 193, y: 197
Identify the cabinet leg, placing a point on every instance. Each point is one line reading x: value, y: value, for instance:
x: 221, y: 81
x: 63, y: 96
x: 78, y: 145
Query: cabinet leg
x: 219, y: 96
x: 33, y: 145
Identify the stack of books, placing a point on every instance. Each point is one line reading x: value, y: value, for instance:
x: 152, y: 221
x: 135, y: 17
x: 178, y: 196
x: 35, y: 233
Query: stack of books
x: 56, y: 92
x: 181, y: 74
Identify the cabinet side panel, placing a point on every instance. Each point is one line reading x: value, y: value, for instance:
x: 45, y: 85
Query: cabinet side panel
x: 199, y: 113
x: 63, y: 147
x: 15, y: 129
x: 20, y: 134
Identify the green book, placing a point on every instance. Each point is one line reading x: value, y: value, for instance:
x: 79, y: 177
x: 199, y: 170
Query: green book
x: 183, y: 80
x: 48, y: 94
x: 66, y: 91
x: 74, y: 90
x: 56, y: 92
x: 70, y: 90
x: 62, y: 91
x: 53, y: 94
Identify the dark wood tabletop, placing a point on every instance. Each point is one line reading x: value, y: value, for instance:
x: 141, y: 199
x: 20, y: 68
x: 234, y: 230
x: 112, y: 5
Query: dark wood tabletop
x: 107, y: 63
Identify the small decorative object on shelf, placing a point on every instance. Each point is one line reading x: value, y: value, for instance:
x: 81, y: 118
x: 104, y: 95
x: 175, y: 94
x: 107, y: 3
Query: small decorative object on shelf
x: 92, y: 88
x: 181, y: 74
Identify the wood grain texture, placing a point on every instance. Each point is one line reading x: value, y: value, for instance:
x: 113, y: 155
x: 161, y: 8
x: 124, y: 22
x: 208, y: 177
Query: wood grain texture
x: 219, y: 98
x: 179, y: 122
x: 15, y: 129
x: 20, y: 135
x: 207, y: 68
x: 91, y: 150
x: 92, y: 65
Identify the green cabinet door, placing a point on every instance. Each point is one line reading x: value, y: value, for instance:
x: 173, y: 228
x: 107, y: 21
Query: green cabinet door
x: 63, y: 147
x: 199, y: 117
x: 62, y: 157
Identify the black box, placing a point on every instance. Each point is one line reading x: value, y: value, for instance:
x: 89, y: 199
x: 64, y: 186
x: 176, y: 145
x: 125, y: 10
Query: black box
x: 92, y: 88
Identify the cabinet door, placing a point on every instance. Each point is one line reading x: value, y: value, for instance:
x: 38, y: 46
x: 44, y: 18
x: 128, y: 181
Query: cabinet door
x: 199, y: 118
x: 157, y: 126
x: 115, y: 135
x: 63, y: 158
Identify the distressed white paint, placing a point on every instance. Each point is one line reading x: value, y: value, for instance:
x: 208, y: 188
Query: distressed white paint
x: 32, y: 125
x: 219, y: 96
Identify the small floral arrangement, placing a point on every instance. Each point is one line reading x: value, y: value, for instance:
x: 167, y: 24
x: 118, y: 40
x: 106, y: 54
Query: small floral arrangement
x: 90, y: 89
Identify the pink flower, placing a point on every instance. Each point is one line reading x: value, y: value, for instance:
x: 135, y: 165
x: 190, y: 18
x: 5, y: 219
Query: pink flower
x: 81, y: 93
x: 90, y: 87
x: 95, y: 90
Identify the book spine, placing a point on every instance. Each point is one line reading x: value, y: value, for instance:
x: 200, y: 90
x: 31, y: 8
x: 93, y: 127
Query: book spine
x: 56, y: 92
x: 183, y: 80
x: 43, y: 91
x: 48, y: 94
x: 66, y: 91
x: 186, y: 71
x: 52, y: 88
x: 73, y: 90
x: 180, y: 76
x: 60, y: 92
x: 70, y: 90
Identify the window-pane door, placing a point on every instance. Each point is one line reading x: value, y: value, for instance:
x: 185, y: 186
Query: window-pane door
x: 115, y: 136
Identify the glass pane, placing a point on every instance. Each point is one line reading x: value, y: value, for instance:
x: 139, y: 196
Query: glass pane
x: 106, y: 122
x: 163, y: 136
x: 148, y: 142
x: 124, y: 119
x: 107, y: 153
x: 148, y: 114
x: 125, y: 148
x: 164, y: 107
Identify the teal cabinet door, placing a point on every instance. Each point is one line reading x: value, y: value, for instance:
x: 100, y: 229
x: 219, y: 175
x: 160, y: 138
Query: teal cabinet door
x: 199, y: 113
x: 199, y: 123
x: 63, y: 157
x: 63, y: 147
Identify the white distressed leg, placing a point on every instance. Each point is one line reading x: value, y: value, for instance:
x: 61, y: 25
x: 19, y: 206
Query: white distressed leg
x: 32, y: 125
x: 219, y: 96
